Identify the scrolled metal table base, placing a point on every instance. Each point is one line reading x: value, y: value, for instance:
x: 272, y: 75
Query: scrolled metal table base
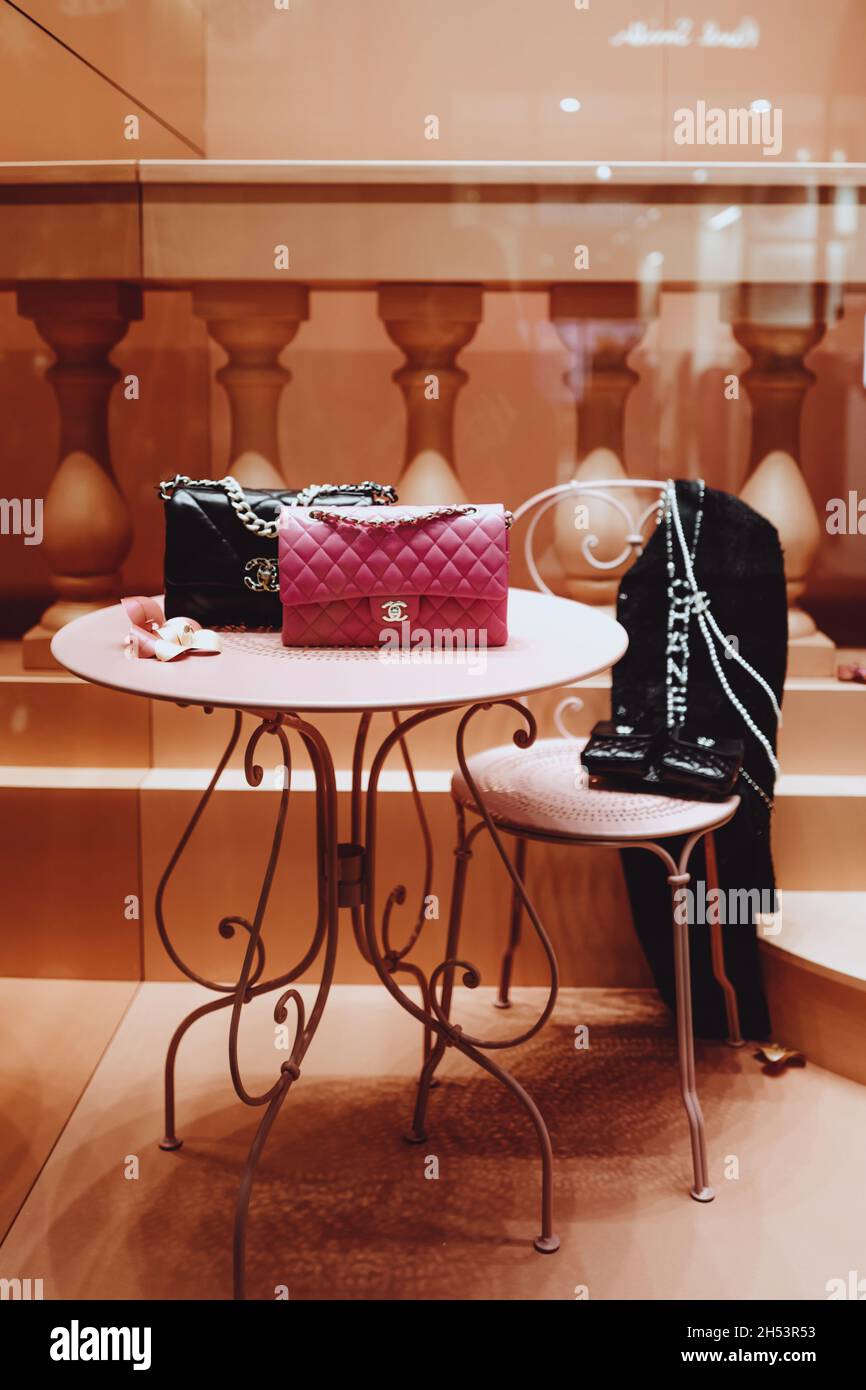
x: 437, y: 989
x: 346, y: 878
x: 249, y: 984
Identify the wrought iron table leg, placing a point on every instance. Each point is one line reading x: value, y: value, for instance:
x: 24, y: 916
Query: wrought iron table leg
x: 249, y: 983
x: 503, y: 1001
x: 462, y: 858
x: 170, y: 1141
x: 226, y: 929
x: 239, y: 1244
x: 434, y: 1013
x: 328, y: 881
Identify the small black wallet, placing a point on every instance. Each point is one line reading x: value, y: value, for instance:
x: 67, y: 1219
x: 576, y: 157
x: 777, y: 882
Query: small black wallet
x: 680, y: 761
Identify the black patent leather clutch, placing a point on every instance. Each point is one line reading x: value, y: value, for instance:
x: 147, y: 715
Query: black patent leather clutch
x: 221, y: 546
x: 619, y: 751
x: 697, y: 764
x: 679, y: 762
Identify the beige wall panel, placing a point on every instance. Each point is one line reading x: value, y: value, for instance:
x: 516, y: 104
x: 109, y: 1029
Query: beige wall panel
x: 68, y: 861
x: 58, y: 721
x: 818, y: 841
x: 808, y: 63
x: 494, y: 75
x: 155, y: 51
x: 54, y: 106
x: 823, y: 730
x: 337, y: 80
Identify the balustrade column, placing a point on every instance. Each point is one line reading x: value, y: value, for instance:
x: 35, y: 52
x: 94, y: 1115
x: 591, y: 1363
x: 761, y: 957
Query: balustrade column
x: 253, y: 323
x: 778, y: 325
x: 600, y: 324
x: 87, y: 531
x: 430, y: 323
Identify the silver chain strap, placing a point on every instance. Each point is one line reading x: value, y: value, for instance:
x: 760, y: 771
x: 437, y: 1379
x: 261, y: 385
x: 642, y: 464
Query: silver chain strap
x: 260, y: 526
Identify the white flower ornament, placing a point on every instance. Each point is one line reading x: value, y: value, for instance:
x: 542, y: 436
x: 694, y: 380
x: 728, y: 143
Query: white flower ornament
x: 151, y: 635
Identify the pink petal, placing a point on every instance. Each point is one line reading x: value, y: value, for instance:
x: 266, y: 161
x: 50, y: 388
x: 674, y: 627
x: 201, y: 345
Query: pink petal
x: 142, y: 610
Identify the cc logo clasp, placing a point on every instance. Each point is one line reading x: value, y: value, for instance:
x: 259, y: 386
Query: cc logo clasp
x: 265, y: 578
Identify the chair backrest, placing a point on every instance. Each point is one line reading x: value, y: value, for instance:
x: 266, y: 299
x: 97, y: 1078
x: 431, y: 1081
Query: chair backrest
x: 612, y: 492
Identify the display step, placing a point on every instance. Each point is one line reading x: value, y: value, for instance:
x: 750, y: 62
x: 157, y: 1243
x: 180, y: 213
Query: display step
x: 53, y: 719
x: 94, y: 843
x: 94, y: 838
x: 815, y: 975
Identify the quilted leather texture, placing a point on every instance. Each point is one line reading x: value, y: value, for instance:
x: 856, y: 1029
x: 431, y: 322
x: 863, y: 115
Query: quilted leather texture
x: 688, y: 764
x: 609, y: 751
x: 452, y: 572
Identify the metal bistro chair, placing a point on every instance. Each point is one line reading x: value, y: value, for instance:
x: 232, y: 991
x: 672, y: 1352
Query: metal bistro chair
x: 532, y: 793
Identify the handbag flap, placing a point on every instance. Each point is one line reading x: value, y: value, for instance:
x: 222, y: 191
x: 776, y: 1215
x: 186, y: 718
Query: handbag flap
x: 417, y: 553
x: 206, y: 545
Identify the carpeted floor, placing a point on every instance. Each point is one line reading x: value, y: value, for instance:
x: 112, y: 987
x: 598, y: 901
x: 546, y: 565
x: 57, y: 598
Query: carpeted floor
x: 343, y: 1209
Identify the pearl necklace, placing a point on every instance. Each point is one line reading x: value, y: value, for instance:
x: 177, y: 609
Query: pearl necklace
x: 685, y: 598
x: 680, y: 604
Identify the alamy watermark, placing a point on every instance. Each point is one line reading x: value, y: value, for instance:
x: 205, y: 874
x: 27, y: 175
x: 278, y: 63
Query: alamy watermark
x: 77, y: 1343
x: 22, y: 516
x: 21, y: 1289
x: 759, y: 124
x: 699, y: 905
x: 846, y: 516
x: 438, y: 646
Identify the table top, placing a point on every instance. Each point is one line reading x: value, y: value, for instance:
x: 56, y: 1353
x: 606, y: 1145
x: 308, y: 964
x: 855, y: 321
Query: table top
x: 552, y: 642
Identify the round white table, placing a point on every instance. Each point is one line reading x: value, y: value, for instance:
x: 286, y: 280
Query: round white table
x: 552, y: 642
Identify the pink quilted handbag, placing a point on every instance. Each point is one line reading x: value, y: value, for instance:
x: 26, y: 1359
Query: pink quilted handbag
x: 425, y: 576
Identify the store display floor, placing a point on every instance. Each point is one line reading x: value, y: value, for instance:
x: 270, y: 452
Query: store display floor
x: 342, y: 1208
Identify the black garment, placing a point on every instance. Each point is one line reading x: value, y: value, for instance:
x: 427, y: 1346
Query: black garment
x: 739, y: 565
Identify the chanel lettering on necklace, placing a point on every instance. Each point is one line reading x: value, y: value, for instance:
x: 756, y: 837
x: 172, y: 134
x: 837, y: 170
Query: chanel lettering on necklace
x: 676, y: 675
x: 681, y: 604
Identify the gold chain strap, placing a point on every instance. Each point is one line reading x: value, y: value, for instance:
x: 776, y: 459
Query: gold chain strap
x: 389, y: 523
x: 258, y: 525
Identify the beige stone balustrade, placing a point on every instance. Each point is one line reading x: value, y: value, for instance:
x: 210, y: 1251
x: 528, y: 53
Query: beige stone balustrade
x: 79, y: 243
x: 431, y: 323
x: 778, y: 325
x: 253, y: 323
x: 87, y: 527
x: 600, y: 324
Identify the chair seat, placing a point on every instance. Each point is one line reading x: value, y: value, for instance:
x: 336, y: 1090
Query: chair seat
x: 534, y: 789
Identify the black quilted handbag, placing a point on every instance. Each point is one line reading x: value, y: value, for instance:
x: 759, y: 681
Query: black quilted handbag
x: 221, y: 546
